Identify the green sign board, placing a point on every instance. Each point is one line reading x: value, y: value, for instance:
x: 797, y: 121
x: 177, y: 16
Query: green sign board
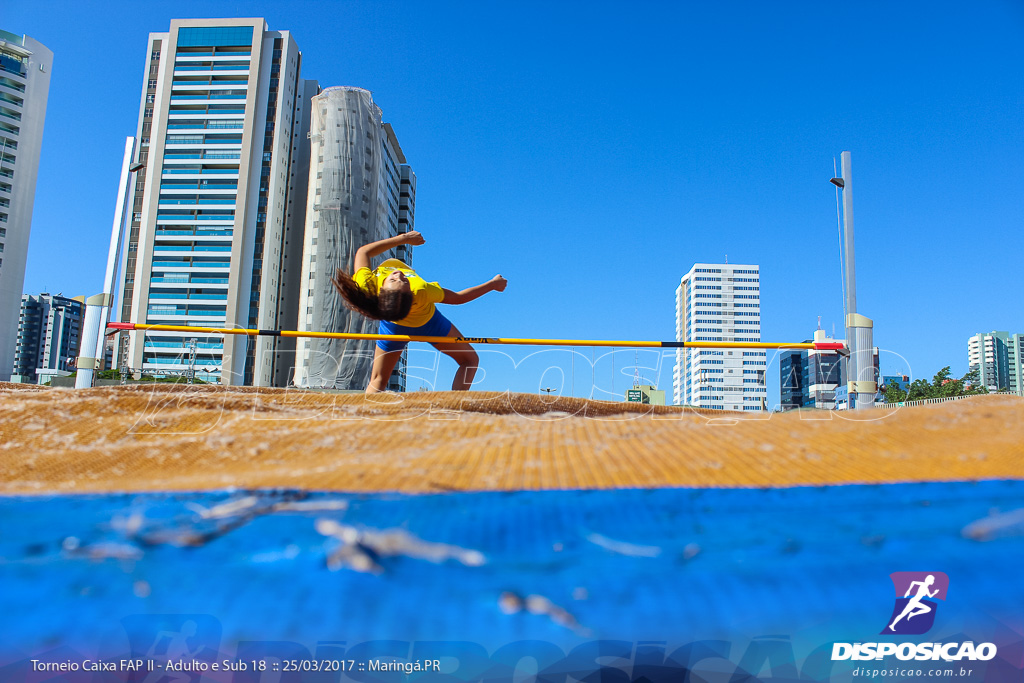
x: 635, y: 396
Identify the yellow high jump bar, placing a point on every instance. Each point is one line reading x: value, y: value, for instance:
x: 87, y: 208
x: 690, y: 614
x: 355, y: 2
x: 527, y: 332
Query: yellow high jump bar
x: 820, y: 346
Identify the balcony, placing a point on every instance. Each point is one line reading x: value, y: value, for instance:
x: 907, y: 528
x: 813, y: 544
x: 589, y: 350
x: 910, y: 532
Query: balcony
x: 196, y: 98
x: 206, y: 56
x: 182, y: 265
x: 176, y: 364
x: 180, y: 187
x: 172, y: 204
x: 198, y: 173
x: 199, y: 85
x: 160, y: 312
x: 192, y: 223
x: 207, y: 125
x: 224, y: 112
x: 185, y: 250
x: 196, y: 232
x: 167, y: 219
x: 179, y: 157
x: 175, y: 298
x: 220, y: 70
x: 11, y: 84
x: 183, y: 278
x: 150, y: 343
x: 13, y: 67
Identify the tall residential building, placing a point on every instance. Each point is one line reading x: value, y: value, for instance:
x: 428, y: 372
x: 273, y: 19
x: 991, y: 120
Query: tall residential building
x: 720, y: 302
x: 998, y: 358
x: 49, y: 333
x: 360, y: 190
x: 218, y: 210
x: 25, y: 66
x: 1015, y: 363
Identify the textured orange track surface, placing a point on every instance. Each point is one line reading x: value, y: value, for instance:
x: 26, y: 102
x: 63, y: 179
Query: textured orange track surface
x: 192, y: 438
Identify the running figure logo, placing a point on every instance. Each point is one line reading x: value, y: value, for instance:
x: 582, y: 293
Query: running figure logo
x: 918, y: 591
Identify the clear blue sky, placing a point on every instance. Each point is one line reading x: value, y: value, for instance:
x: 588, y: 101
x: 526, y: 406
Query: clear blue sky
x: 592, y: 152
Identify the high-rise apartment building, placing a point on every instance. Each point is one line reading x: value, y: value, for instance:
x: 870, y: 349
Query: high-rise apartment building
x: 218, y: 210
x: 360, y: 190
x: 49, y: 333
x: 25, y: 66
x: 720, y: 302
x: 998, y: 358
x: 1015, y: 363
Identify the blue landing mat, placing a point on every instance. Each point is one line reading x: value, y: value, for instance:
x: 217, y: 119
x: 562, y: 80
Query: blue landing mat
x: 103, y: 574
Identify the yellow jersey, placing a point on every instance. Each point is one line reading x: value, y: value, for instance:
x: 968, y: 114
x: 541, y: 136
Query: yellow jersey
x: 424, y: 294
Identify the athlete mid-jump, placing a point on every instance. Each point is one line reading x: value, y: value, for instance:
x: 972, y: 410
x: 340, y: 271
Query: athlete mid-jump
x: 403, y: 302
x: 915, y: 606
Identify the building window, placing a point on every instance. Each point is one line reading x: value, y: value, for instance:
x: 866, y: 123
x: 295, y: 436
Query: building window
x: 215, y: 36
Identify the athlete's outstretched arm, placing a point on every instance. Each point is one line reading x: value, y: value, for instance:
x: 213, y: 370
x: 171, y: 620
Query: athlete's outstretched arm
x: 495, y: 284
x: 368, y: 251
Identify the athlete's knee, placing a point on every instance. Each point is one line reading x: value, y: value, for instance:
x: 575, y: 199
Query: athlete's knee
x: 468, y: 359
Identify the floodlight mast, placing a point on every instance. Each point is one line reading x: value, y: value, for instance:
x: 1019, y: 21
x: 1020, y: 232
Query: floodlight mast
x: 97, y: 308
x: 861, y: 382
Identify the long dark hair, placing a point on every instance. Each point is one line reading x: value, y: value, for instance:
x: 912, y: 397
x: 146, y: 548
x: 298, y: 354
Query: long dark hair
x: 391, y: 305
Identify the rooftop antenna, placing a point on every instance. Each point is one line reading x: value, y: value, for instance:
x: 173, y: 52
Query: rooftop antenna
x: 636, y: 369
x: 727, y: 259
x: 819, y: 322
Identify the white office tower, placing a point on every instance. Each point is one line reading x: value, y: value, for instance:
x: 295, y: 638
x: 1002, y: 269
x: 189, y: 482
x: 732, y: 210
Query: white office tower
x: 360, y: 190
x: 24, y: 86
x: 720, y: 302
x: 218, y: 210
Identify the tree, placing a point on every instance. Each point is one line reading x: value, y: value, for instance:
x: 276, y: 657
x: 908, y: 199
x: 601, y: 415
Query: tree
x: 919, y: 389
x: 941, y: 386
x: 973, y: 379
x: 893, y: 393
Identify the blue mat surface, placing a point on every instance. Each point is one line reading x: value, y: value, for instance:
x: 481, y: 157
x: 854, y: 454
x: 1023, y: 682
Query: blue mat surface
x: 106, y: 575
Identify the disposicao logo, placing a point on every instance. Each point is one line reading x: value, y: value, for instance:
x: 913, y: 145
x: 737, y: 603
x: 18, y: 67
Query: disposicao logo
x: 913, y: 615
x: 914, y: 612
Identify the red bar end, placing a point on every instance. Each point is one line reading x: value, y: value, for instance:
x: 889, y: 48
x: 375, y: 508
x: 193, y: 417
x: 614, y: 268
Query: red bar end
x: 120, y: 326
x: 829, y: 346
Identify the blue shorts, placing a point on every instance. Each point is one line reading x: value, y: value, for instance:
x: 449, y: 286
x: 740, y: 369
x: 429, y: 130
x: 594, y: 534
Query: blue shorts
x: 437, y: 326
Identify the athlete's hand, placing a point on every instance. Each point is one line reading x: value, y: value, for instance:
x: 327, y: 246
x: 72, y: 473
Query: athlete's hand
x: 414, y: 238
x: 498, y: 283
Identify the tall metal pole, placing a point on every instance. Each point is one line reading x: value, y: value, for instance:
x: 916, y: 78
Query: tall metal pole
x: 98, y: 306
x: 848, y: 255
x: 861, y: 384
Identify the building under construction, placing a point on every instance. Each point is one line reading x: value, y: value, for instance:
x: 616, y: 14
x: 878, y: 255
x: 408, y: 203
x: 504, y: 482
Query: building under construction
x: 360, y: 190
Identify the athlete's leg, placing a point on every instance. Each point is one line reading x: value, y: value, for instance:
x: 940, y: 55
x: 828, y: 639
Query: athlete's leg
x: 921, y: 609
x: 902, y: 614
x: 465, y: 356
x: 384, y: 363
